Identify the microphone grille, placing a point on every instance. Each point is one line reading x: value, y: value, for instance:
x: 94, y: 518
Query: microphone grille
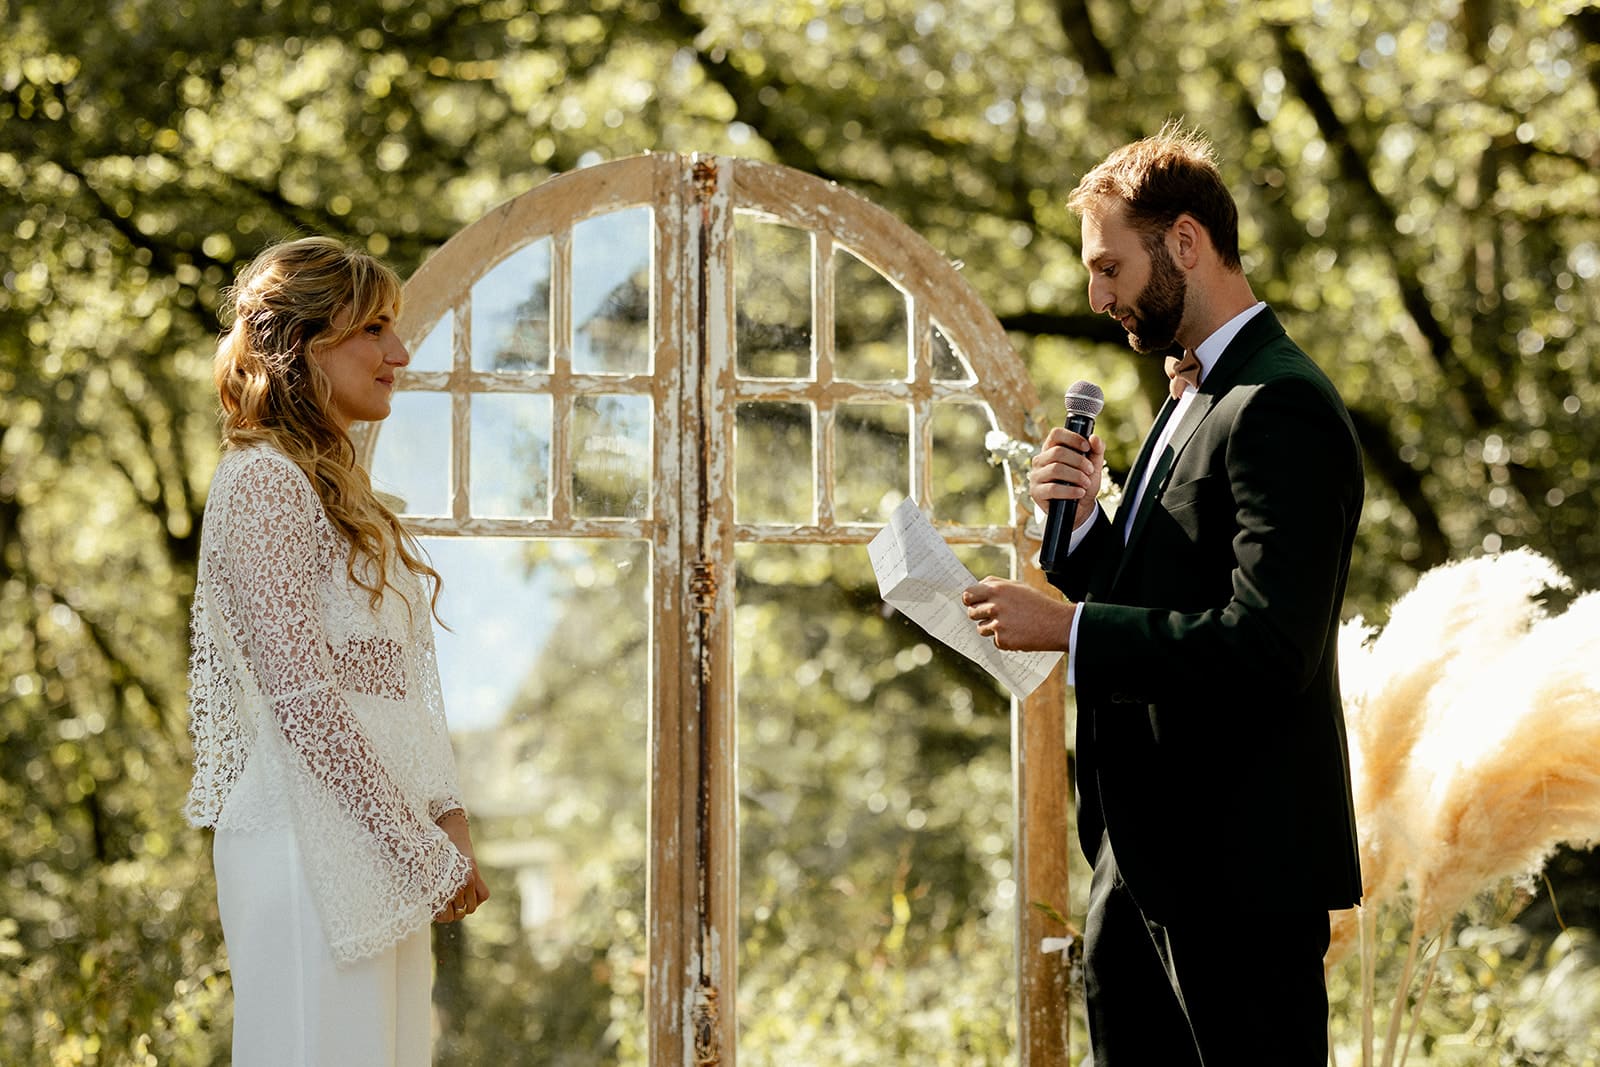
x: 1085, y: 398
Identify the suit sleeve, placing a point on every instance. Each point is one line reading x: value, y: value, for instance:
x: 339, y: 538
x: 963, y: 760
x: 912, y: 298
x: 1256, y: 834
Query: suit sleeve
x: 1100, y: 549
x: 1293, y: 469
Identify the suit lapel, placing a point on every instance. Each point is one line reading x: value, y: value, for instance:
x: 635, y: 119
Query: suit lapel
x: 1199, y: 408
x: 1158, y: 478
x: 1255, y: 333
x: 1125, y: 516
x: 1192, y: 417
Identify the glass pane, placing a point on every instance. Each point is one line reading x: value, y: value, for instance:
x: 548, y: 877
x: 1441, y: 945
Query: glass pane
x: 610, y: 459
x: 611, y: 293
x: 510, y: 456
x: 869, y: 333
x: 949, y: 365
x: 871, y: 460
x: 876, y: 895
x: 967, y: 488
x: 434, y: 354
x: 549, y: 721
x: 772, y: 299
x: 775, y: 470
x: 511, y: 313
x: 411, y: 461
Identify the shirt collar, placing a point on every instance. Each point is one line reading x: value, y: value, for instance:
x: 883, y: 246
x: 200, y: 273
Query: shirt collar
x: 1211, y: 349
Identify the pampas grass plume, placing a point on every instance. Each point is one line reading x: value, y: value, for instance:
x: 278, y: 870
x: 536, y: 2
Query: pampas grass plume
x: 1474, y: 726
x: 1515, y: 769
x: 1456, y: 616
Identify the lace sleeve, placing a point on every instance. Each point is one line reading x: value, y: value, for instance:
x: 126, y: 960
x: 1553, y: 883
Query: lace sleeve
x: 271, y: 560
x: 214, y: 724
x: 447, y: 790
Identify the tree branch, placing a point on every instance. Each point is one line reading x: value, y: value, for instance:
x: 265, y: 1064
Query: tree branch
x: 789, y: 145
x: 1477, y: 411
x: 1585, y: 23
x: 184, y: 549
x: 1475, y: 19
x: 123, y: 675
x: 1284, y: 234
x: 10, y: 520
x: 1077, y: 326
x: 745, y: 92
x: 1383, y: 454
x: 1079, y: 28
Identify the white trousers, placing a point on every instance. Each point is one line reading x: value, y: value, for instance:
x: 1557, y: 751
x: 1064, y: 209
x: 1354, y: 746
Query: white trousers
x: 293, y: 1004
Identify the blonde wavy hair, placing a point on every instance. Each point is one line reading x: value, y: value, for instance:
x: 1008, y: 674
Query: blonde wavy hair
x: 283, y: 307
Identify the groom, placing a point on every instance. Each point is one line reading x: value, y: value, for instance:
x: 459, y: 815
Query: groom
x: 1201, y: 629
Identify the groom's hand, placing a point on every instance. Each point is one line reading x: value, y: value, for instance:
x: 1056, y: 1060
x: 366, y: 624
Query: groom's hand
x: 1018, y: 617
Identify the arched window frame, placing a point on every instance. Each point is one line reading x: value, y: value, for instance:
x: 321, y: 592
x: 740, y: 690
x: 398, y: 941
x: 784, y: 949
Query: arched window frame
x: 692, y: 532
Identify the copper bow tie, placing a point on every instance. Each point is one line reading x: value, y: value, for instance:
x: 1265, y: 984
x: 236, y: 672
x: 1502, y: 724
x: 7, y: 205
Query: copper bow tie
x: 1183, y: 372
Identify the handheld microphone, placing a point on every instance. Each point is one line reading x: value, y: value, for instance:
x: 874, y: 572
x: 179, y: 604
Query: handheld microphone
x: 1084, y: 401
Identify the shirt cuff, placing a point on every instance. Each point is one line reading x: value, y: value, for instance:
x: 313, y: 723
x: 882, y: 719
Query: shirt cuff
x: 1081, y: 532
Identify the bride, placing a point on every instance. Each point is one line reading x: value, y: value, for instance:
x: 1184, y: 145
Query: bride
x: 322, y: 758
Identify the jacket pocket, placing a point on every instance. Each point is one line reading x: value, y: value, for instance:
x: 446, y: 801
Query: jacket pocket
x: 1179, y: 495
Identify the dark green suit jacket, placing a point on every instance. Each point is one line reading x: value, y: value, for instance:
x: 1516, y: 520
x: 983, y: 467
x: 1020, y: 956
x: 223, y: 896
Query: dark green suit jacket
x: 1211, y: 739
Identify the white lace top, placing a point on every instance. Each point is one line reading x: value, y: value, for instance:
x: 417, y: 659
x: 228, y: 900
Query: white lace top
x: 312, y: 710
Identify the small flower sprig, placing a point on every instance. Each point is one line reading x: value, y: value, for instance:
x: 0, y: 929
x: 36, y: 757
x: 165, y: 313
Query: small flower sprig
x: 1017, y: 457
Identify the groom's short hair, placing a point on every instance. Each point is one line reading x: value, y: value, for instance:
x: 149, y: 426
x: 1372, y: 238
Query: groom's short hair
x: 1160, y: 177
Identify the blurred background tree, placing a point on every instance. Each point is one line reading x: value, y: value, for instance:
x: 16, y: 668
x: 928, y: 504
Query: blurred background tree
x: 1418, y: 192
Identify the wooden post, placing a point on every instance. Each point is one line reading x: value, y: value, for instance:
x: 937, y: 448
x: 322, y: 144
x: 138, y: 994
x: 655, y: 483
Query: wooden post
x: 1039, y: 748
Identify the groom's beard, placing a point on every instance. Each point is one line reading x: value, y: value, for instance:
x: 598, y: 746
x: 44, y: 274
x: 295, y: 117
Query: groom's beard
x: 1159, y: 306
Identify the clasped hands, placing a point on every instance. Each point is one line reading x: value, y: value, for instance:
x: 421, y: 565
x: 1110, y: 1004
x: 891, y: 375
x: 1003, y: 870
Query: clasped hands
x: 475, y: 891
x: 1018, y: 617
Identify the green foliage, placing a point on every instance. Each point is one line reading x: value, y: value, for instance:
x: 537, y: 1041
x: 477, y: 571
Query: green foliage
x: 1418, y: 194
x: 1498, y: 994
x: 876, y: 904
x: 559, y: 788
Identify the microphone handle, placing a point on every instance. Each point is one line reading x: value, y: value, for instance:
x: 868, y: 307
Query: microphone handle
x: 1058, y: 519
